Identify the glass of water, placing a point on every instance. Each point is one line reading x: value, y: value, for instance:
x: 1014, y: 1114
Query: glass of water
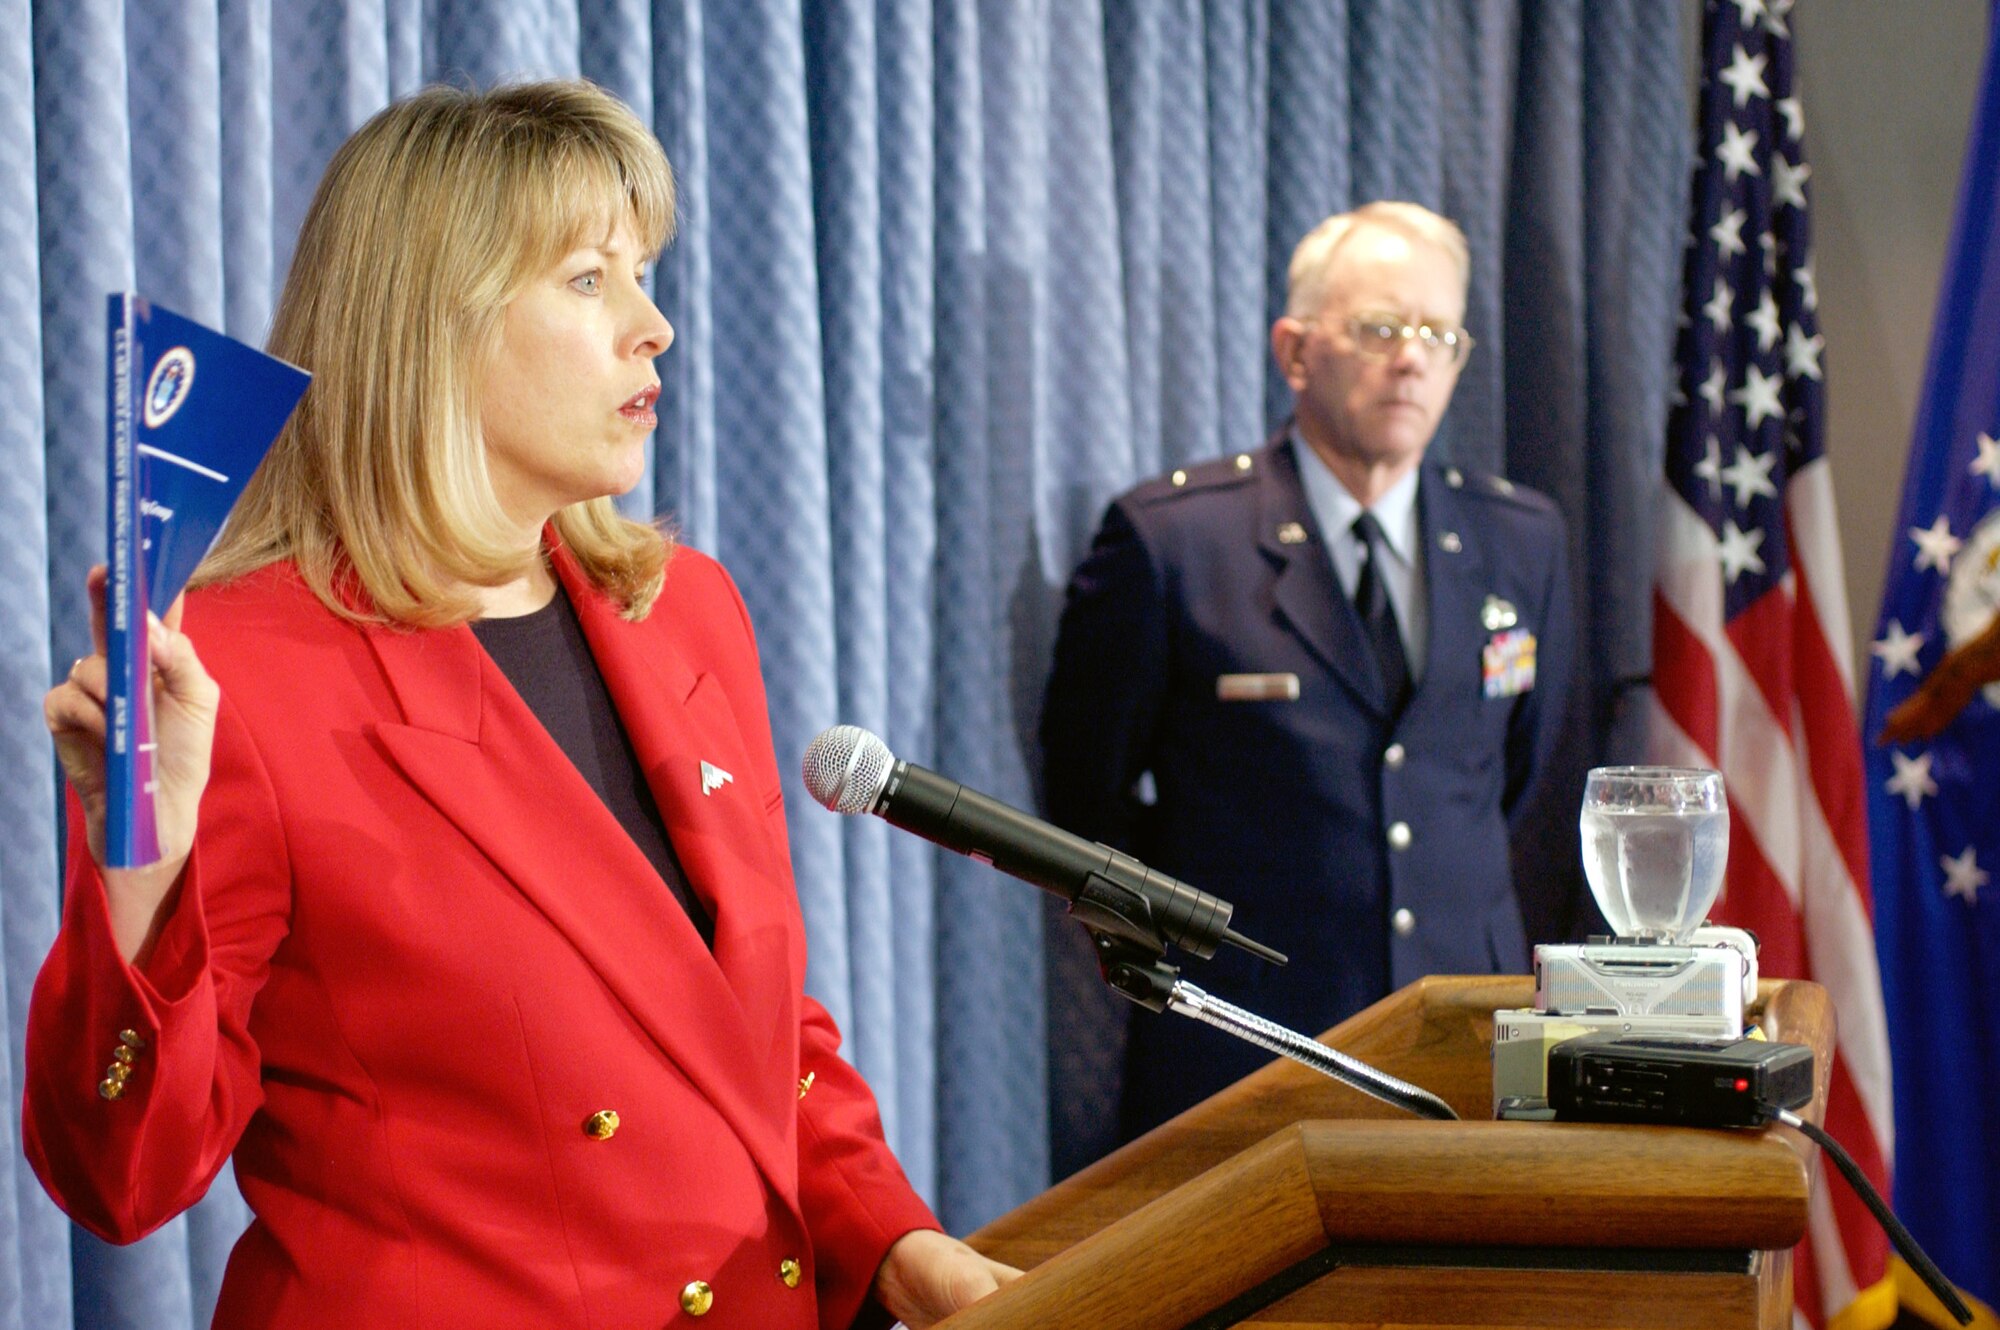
x: 1655, y: 842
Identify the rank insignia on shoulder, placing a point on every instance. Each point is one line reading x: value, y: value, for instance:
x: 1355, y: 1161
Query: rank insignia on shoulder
x: 1507, y: 663
x: 1196, y: 478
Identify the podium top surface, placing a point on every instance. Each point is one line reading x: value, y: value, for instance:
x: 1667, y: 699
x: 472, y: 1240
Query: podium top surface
x: 1373, y: 1173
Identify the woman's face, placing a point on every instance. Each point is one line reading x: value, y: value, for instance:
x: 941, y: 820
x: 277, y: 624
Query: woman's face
x: 568, y: 397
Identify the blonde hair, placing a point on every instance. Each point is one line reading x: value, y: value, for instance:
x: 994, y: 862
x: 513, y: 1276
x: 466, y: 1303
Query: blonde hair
x: 428, y: 221
x: 1312, y: 260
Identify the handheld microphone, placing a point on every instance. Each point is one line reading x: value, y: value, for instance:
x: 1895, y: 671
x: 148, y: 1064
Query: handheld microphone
x: 850, y: 770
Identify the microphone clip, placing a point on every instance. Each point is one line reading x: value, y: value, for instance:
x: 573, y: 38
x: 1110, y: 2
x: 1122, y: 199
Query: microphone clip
x: 1128, y: 942
x: 1108, y: 908
x: 1137, y: 972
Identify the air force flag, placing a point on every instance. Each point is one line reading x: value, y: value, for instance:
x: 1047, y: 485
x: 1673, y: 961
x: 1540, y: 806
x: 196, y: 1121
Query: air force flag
x: 1934, y: 759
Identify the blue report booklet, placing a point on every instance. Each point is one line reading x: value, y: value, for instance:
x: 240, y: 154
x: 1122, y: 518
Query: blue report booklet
x: 191, y: 414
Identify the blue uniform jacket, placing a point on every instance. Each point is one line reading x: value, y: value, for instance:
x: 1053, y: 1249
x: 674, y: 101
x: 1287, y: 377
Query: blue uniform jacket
x: 1371, y: 849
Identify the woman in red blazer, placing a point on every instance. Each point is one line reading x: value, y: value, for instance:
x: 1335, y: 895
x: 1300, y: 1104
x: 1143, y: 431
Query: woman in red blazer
x: 475, y: 1061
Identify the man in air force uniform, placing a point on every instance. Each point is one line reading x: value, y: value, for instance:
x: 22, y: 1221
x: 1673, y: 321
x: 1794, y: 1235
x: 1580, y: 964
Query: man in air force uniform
x: 1318, y: 678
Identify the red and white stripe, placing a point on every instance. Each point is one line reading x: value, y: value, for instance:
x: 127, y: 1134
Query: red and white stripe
x: 1768, y: 699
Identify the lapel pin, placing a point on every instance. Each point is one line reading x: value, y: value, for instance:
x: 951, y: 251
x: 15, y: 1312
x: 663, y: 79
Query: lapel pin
x: 1497, y: 614
x: 1449, y: 542
x: 1291, y: 533
x: 713, y: 778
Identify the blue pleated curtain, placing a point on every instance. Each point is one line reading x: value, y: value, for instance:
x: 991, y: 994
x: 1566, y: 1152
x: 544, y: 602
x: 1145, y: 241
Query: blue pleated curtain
x: 951, y: 273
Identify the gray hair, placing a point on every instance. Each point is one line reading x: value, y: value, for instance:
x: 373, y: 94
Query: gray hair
x: 1312, y: 260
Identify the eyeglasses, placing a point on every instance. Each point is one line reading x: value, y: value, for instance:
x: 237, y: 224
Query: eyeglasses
x: 1383, y: 336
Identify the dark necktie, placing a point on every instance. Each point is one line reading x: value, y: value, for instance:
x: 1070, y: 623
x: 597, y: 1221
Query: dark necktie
x: 1378, y: 616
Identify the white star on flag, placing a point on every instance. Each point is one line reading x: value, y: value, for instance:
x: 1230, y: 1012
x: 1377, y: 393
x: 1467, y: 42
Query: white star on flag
x: 1808, y: 286
x: 1795, y: 117
x: 1718, y: 305
x: 1788, y: 182
x: 1709, y: 468
x: 1897, y: 650
x: 1745, y: 77
x: 1963, y: 876
x: 1912, y: 780
x: 1711, y: 388
x: 1738, y: 551
x: 1802, y: 353
x: 1759, y: 396
x: 1750, y: 475
x: 1935, y: 545
x: 1727, y: 233
x: 1764, y: 320
x: 1987, y: 464
x: 1750, y: 11
x: 1737, y: 152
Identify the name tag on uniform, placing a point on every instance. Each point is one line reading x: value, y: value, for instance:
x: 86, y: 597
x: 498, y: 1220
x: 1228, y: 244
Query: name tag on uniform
x: 1257, y: 687
x: 1507, y: 663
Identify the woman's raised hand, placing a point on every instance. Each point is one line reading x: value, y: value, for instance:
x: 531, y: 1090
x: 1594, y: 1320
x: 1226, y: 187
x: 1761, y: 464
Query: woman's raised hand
x: 184, y: 710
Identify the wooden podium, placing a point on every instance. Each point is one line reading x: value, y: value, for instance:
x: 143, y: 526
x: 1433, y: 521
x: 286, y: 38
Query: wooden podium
x: 1290, y: 1200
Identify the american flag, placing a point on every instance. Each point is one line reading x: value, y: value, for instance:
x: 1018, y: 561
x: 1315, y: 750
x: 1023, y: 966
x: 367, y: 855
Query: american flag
x: 1751, y: 664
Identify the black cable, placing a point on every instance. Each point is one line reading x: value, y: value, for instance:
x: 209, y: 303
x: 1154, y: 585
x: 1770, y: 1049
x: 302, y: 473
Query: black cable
x: 1907, y: 1245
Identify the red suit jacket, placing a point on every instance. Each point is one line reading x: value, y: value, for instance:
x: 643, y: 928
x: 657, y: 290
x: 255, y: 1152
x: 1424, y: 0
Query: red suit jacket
x: 414, y: 963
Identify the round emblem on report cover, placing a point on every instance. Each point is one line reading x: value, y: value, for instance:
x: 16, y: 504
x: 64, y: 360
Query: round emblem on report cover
x: 1972, y: 595
x: 167, y: 388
